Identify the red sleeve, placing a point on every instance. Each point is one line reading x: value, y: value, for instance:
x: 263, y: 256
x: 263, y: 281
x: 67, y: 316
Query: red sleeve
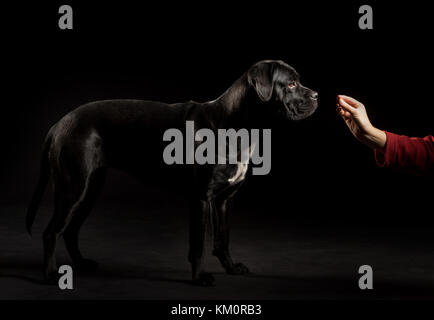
x: 415, y: 155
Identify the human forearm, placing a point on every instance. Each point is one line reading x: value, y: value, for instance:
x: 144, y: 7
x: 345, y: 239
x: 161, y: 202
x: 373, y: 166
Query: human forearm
x: 374, y: 138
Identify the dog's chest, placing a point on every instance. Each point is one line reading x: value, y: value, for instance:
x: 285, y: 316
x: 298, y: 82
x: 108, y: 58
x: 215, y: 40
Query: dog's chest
x: 239, y: 175
x: 240, y: 172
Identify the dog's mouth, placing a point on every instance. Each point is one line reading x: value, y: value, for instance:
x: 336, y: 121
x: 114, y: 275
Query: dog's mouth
x: 300, y: 112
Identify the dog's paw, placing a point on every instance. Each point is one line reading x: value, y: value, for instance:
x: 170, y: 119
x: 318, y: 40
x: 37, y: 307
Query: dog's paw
x: 86, y: 265
x: 237, y: 268
x: 204, y: 280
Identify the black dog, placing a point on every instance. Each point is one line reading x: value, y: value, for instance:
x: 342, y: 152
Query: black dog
x: 84, y: 143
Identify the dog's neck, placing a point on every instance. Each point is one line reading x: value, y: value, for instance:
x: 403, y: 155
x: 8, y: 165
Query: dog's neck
x: 235, y: 105
x: 232, y: 100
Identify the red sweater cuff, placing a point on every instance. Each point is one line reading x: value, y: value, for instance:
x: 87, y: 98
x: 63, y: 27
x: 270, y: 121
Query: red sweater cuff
x: 383, y: 157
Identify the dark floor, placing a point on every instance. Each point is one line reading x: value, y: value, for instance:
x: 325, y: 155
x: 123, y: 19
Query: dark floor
x: 143, y: 256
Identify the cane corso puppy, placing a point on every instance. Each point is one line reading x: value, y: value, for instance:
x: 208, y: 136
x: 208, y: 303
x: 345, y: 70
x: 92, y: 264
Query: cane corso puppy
x: 96, y: 136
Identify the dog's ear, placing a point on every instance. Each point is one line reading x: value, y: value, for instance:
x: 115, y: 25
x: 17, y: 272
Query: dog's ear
x: 260, y: 77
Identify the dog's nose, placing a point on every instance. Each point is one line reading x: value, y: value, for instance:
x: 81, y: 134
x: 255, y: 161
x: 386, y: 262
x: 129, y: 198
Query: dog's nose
x: 314, y: 95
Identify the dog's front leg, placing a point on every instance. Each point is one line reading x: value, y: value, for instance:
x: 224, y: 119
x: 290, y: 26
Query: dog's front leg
x: 198, y: 216
x: 221, y: 239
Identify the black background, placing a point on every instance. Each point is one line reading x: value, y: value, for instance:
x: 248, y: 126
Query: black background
x: 179, y: 51
x: 323, y: 184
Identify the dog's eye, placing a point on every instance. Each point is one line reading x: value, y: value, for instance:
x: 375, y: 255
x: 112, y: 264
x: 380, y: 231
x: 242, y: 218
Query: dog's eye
x: 292, y: 85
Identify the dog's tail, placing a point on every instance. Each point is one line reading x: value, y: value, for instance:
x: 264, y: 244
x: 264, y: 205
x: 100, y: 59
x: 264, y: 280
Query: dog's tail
x: 44, y: 176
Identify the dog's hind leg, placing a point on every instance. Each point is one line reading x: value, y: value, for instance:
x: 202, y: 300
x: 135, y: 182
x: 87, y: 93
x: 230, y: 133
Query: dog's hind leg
x: 92, y: 169
x: 79, y: 213
x: 78, y: 173
x: 67, y: 200
x: 53, y: 231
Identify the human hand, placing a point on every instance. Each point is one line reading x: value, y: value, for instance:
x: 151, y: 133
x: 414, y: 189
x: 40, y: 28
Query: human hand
x: 354, y: 114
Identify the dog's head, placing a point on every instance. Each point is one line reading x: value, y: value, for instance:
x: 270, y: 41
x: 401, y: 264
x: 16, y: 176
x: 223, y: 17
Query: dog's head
x: 275, y: 81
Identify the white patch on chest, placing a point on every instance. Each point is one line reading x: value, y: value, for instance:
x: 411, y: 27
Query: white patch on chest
x: 240, y: 174
x: 241, y: 171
